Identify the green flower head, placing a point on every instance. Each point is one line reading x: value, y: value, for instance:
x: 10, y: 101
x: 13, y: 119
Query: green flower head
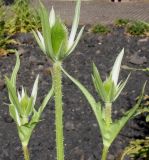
x: 54, y: 40
x: 110, y: 89
x: 22, y: 107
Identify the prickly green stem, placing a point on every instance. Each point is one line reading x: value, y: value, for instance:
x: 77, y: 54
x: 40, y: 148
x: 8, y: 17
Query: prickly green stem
x: 26, y: 152
x: 108, y: 113
x: 105, y: 153
x: 57, y: 80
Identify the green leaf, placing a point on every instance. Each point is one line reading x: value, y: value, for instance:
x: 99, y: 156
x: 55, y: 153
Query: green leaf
x: 38, y: 39
x: 35, y: 89
x: 96, y: 107
x: 12, y: 93
x: 59, y: 37
x: 120, y: 88
x: 52, y: 17
x: 98, y: 83
x: 14, y: 114
x: 23, y: 104
x: 25, y: 133
x: 112, y: 92
x: 44, y: 16
x: 11, y: 84
x: 15, y: 71
x: 116, y: 68
x: 29, y: 107
x: 75, y: 24
x: 45, y: 101
x: 70, y: 50
x: 35, y: 118
x: 108, y: 86
x: 89, y: 97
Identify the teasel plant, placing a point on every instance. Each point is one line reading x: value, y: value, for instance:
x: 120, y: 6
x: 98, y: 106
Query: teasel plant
x: 108, y: 91
x: 22, y: 108
x: 57, y: 45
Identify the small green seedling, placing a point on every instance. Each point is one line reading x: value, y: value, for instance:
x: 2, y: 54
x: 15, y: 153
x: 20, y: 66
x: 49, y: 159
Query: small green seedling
x: 22, y: 108
x: 57, y: 45
x: 137, y: 149
x: 122, y: 22
x: 101, y: 29
x: 137, y: 28
x: 108, y: 91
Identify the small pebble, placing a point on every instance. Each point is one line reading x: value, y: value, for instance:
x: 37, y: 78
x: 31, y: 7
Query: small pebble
x: 136, y: 59
x: 69, y: 126
x: 79, y: 153
x: 97, y: 52
x: 110, y: 157
x: 32, y: 60
x: 143, y: 40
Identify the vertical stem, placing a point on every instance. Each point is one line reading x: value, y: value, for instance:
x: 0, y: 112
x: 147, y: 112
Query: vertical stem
x: 108, y: 113
x: 26, y: 152
x: 105, y: 153
x: 57, y: 80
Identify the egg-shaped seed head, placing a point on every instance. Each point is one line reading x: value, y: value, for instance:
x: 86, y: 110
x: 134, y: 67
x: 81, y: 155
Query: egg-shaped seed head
x: 59, y: 39
x: 54, y: 40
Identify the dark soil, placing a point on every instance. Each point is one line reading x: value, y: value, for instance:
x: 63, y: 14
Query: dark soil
x: 82, y: 135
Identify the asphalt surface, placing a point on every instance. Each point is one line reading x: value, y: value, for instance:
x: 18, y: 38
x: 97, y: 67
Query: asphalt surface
x: 100, y: 11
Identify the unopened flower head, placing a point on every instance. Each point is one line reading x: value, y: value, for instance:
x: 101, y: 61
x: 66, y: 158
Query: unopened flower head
x: 110, y: 89
x: 22, y: 106
x: 54, y: 40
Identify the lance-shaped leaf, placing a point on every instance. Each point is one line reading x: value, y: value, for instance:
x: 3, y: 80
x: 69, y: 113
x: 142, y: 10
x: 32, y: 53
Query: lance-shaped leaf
x: 70, y: 50
x: 11, y: 84
x: 45, y: 101
x: 14, y: 114
x: 40, y: 40
x: 52, y: 18
x: 35, y: 89
x: 96, y: 107
x: 75, y: 24
x: 98, y: 83
x: 116, y: 68
x: 120, y: 87
x: 12, y: 93
x: 15, y: 71
x: 44, y: 16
